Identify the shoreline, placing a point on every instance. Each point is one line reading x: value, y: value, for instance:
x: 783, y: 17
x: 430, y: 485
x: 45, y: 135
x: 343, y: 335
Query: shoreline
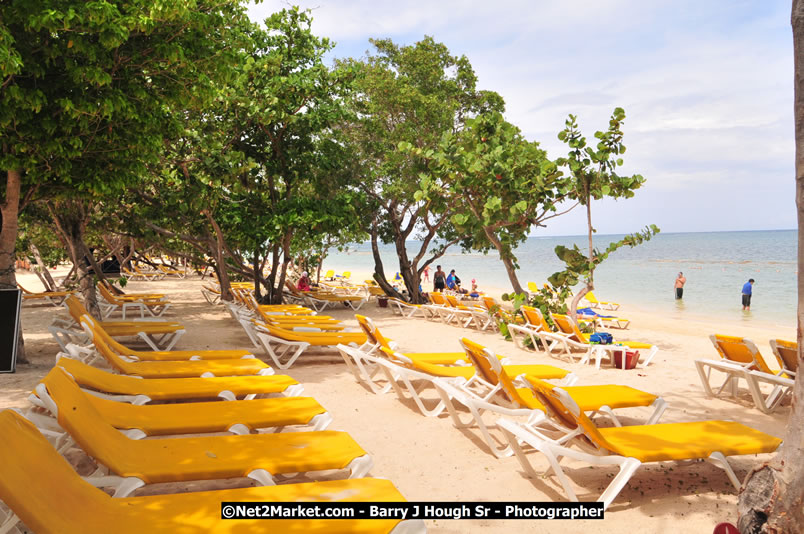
x: 626, y: 307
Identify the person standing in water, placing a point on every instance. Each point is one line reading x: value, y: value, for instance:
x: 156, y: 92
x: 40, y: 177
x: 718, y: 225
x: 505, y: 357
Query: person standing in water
x: 747, y: 292
x: 679, y: 285
x: 439, y: 279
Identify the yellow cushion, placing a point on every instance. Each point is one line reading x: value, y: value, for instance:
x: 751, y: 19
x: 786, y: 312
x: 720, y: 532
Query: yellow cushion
x: 162, y: 389
x: 591, y: 398
x: 682, y: 441
x: 45, y: 492
x: 194, y: 458
x: 203, y: 417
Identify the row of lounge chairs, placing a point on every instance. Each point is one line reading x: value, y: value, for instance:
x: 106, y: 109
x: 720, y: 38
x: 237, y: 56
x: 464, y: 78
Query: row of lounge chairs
x: 534, y: 415
x: 285, y: 332
x: 113, y: 417
x: 566, y: 338
x: 159, y: 272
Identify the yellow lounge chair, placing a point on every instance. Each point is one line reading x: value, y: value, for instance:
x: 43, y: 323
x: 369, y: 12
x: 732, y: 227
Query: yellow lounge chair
x: 533, y: 288
x: 534, y: 324
x: 149, y: 275
x: 329, y: 275
x: 591, y: 299
x: 135, y: 463
x: 480, y: 316
x: 438, y: 308
x: 319, y: 300
x: 45, y: 493
x: 172, y: 272
x: 407, y: 309
x: 168, y: 355
x: 119, y: 293
x: 211, y: 294
x: 365, y: 367
x: 786, y: 353
x: 171, y: 369
x: 123, y: 388
x: 569, y: 337
x: 630, y: 446
x: 284, y: 346
x: 51, y: 297
x: 241, y: 417
x: 403, y: 371
x: 113, y: 303
x: 511, y: 395
x: 158, y: 335
x: 376, y: 340
x: 740, y: 359
x: 131, y: 275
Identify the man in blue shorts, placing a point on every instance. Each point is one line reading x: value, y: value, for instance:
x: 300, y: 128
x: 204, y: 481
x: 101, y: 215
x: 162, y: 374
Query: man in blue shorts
x: 747, y: 287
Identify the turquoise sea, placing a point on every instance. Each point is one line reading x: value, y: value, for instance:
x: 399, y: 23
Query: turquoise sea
x: 716, y: 265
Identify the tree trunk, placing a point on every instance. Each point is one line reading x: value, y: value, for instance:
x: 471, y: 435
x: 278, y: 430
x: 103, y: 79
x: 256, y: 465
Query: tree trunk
x: 408, y: 271
x: 67, y: 279
x: 772, y: 496
x: 255, y: 264
x: 9, y: 211
x: 573, y: 311
x: 49, y: 283
x: 590, y: 230
x: 379, y: 270
x: 505, y: 256
x: 71, y: 218
x: 278, y: 296
x: 220, y: 259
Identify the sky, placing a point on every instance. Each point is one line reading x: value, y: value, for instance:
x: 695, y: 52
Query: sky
x: 707, y: 87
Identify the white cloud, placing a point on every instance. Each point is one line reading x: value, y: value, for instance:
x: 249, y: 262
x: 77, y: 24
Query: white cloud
x: 707, y: 87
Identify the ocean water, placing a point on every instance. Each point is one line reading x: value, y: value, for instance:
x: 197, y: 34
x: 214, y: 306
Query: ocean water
x: 716, y: 265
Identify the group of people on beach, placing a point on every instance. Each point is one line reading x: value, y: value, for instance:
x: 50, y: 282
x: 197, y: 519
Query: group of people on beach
x: 747, y: 290
x: 442, y: 281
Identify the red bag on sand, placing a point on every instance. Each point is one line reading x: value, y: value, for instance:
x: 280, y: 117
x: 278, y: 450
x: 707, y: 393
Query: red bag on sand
x: 631, y: 359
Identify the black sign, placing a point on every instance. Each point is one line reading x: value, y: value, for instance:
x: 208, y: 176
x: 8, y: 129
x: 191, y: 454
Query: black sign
x: 9, y: 325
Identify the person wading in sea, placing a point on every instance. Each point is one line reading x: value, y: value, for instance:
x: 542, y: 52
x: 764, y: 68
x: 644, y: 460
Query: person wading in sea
x: 680, y: 281
x: 439, y: 279
x: 747, y: 291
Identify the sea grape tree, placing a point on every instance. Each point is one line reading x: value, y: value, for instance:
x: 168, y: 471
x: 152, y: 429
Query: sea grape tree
x: 411, y: 95
x: 87, y: 92
x: 593, y: 173
x: 497, y: 185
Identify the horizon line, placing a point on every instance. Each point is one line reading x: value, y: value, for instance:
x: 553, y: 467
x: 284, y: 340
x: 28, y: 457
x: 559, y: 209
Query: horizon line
x: 673, y: 233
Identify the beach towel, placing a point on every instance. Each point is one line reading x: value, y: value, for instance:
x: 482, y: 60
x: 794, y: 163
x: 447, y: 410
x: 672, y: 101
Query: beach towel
x: 590, y: 311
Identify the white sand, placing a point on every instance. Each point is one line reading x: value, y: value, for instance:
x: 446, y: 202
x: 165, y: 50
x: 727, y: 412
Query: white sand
x: 429, y: 460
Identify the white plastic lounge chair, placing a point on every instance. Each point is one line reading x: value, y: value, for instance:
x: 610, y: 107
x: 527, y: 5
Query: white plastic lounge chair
x: 628, y: 447
x: 741, y: 360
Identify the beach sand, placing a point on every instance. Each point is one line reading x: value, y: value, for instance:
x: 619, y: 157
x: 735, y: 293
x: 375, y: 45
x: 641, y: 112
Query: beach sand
x: 429, y: 460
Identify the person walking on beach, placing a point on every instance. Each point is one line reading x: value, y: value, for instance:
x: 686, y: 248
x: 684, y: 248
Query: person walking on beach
x: 427, y: 274
x: 747, y: 291
x: 439, y: 279
x: 680, y: 281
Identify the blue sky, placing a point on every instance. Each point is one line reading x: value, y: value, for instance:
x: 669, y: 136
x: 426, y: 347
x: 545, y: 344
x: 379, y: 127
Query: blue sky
x: 707, y: 87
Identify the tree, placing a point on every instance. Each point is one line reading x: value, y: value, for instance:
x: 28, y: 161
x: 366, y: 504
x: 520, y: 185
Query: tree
x: 594, y: 175
x: 284, y: 108
x: 87, y: 89
x: 772, y: 495
x: 496, y: 185
x: 411, y: 94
